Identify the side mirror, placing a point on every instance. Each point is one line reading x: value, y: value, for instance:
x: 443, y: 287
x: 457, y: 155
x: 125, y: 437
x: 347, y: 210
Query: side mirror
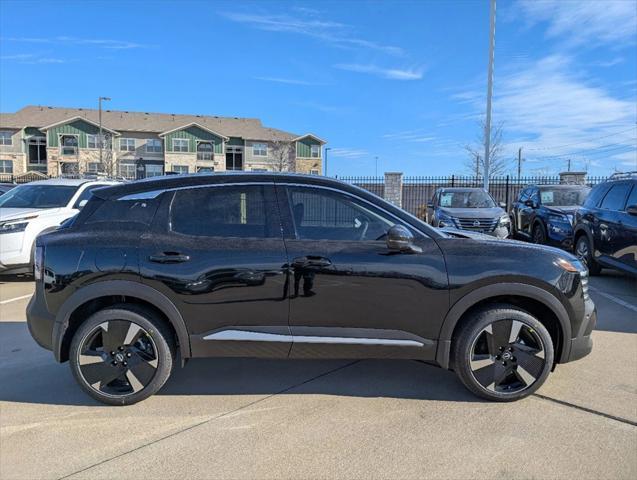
x: 503, y: 205
x: 529, y: 203
x: 400, y: 239
x: 631, y: 210
x: 430, y: 204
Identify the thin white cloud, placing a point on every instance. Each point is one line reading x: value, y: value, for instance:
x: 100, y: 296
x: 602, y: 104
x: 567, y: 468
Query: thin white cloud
x: 417, y: 135
x: 387, y: 73
x: 330, y: 32
x: 585, y: 22
x: 64, y: 40
x: 288, y: 81
x: 348, y: 153
x: 31, y: 58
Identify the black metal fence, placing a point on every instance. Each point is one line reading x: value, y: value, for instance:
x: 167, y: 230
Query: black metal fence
x: 417, y: 191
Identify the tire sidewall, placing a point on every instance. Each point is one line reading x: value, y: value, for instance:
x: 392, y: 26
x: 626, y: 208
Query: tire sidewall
x: 593, y: 266
x: 539, y: 227
x: 165, y: 353
x: 466, y: 339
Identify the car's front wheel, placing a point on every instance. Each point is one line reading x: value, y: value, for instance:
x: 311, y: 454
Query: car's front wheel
x: 539, y: 234
x: 584, y: 251
x: 503, y: 353
x: 122, y: 354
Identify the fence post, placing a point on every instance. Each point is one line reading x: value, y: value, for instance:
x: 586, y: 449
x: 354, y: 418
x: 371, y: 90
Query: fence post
x: 506, y: 195
x: 453, y: 180
x: 394, y: 188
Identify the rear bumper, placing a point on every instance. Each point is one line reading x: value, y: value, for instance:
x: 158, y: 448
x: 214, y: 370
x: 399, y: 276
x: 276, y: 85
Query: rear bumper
x: 39, y: 320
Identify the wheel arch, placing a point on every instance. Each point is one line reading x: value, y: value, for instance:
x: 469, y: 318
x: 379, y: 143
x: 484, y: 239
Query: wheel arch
x: 541, y: 303
x: 99, y: 295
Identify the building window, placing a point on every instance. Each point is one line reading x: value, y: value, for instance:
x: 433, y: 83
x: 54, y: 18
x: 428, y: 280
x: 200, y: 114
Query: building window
x: 6, y: 166
x: 204, y: 151
x: 127, y: 144
x: 154, y: 170
x: 37, y: 150
x: 127, y: 170
x: 315, y: 151
x: 259, y: 150
x: 92, y: 141
x: 5, y: 138
x: 314, y: 172
x: 180, y: 144
x: 95, y: 167
x: 205, y: 169
x: 69, y: 144
x: 153, y: 145
x: 180, y: 169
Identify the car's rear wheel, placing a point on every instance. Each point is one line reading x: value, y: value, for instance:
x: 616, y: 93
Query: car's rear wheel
x: 503, y: 353
x: 122, y: 354
x: 539, y: 234
x: 584, y: 251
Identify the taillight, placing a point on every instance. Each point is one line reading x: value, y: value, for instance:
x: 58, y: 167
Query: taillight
x: 38, y: 262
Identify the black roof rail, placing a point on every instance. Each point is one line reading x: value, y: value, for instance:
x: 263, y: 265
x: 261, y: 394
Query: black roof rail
x: 623, y: 176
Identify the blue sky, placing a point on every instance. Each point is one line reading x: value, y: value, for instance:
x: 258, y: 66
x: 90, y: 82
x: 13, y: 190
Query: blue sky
x: 401, y: 81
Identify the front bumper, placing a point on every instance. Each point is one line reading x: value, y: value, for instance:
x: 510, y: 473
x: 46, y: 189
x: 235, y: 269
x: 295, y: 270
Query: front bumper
x: 582, y: 344
x: 15, y: 256
x: 560, y: 235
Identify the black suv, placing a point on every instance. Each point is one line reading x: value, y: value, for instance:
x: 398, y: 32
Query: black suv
x: 545, y: 214
x: 154, y: 272
x: 606, y: 225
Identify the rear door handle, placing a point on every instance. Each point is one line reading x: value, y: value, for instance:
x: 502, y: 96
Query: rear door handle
x: 169, y: 257
x: 311, y: 261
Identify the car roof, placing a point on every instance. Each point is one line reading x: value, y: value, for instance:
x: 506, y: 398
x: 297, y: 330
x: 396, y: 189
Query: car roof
x: 462, y: 189
x: 72, y: 182
x: 559, y: 185
x: 167, y: 182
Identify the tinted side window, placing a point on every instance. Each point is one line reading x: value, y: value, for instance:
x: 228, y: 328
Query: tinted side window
x: 86, y: 194
x: 596, y: 195
x: 122, y: 211
x: 616, y: 197
x: 632, y: 198
x: 534, y: 195
x: 326, y: 215
x: 524, y: 195
x: 232, y: 211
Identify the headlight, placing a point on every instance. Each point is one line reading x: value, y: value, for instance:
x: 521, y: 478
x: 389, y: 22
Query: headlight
x: 13, y: 227
x: 445, y: 220
x: 559, y: 218
x: 504, y: 220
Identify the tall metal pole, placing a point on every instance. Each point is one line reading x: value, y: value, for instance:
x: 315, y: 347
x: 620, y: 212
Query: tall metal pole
x: 519, y: 162
x: 487, y: 126
x: 327, y: 149
x: 375, y: 166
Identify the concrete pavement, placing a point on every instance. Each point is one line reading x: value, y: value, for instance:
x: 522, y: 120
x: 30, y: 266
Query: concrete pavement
x: 239, y: 418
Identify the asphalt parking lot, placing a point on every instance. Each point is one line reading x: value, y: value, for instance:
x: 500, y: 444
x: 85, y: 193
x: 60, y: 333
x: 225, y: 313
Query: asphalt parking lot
x: 235, y: 418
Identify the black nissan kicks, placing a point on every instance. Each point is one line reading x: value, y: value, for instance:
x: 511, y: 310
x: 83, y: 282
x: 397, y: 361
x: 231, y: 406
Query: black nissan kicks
x: 154, y: 272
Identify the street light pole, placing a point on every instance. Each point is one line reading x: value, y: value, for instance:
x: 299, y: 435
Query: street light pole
x: 375, y: 166
x: 487, y: 126
x: 327, y: 149
x: 99, y: 101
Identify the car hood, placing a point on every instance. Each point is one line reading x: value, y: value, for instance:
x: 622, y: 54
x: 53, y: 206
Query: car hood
x: 473, y: 212
x: 13, y: 213
x: 563, y: 210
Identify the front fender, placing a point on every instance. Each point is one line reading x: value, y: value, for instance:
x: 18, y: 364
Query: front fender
x: 495, y: 290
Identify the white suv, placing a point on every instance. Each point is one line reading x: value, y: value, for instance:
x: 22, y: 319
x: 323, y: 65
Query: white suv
x: 30, y: 209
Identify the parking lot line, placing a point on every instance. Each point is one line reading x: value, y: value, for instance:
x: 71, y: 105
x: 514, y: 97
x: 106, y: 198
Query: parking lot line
x: 613, y: 298
x: 3, y: 302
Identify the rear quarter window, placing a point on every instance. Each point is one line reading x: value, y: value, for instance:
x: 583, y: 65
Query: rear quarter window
x: 596, y: 195
x: 123, y: 211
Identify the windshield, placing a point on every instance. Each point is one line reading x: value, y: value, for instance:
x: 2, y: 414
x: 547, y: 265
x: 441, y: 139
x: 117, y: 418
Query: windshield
x: 563, y: 197
x: 466, y: 199
x: 38, y: 196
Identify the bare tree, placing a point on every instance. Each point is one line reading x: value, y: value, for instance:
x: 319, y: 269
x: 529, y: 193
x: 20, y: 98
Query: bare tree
x: 281, y: 151
x: 498, y: 163
x: 108, y: 165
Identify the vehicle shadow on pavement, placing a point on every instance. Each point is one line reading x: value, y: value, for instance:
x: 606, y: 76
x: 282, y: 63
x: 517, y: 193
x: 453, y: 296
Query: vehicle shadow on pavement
x: 29, y: 374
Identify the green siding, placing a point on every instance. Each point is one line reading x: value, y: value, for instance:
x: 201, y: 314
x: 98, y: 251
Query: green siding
x: 76, y: 127
x: 236, y: 142
x: 193, y: 134
x: 304, y: 147
x: 32, y: 131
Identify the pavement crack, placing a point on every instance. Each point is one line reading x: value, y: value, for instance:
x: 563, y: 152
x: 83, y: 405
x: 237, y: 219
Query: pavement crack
x: 587, y: 410
x: 216, y: 417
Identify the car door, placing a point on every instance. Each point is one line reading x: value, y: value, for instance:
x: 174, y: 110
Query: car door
x: 612, y: 234
x: 527, y: 212
x: 628, y: 253
x: 349, y: 295
x: 217, y: 252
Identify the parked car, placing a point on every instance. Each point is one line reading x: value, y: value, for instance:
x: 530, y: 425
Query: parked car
x: 468, y: 209
x: 5, y: 187
x: 545, y: 214
x: 606, y: 225
x: 152, y: 273
x: 32, y: 208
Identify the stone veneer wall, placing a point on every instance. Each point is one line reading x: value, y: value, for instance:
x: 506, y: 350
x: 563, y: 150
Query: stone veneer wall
x: 305, y: 165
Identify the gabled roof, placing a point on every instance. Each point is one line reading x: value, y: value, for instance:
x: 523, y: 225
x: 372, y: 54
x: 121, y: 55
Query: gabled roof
x: 72, y: 119
x: 194, y: 124
x: 321, y: 141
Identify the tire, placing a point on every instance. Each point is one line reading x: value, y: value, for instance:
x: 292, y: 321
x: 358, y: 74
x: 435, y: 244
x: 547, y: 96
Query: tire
x: 132, y: 334
x: 539, y: 234
x: 584, y: 251
x: 484, y: 362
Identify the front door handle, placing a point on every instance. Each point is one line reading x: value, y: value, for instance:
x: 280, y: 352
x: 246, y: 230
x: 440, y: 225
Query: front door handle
x: 169, y: 257
x: 311, y: 261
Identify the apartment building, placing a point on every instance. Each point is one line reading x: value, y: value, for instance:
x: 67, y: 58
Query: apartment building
x: 58, y: 141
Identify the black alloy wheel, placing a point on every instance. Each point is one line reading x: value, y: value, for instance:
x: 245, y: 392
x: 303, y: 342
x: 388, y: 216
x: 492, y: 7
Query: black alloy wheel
x: 503, y: 354
x: 122, y: 355
x: 539, y: 235
x: 584, y: 252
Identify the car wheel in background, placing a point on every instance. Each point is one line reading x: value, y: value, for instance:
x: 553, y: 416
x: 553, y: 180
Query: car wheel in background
x: 539, y: 234
x: 122, y: 354
x: 584, y: 250
x: 503, y: 353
